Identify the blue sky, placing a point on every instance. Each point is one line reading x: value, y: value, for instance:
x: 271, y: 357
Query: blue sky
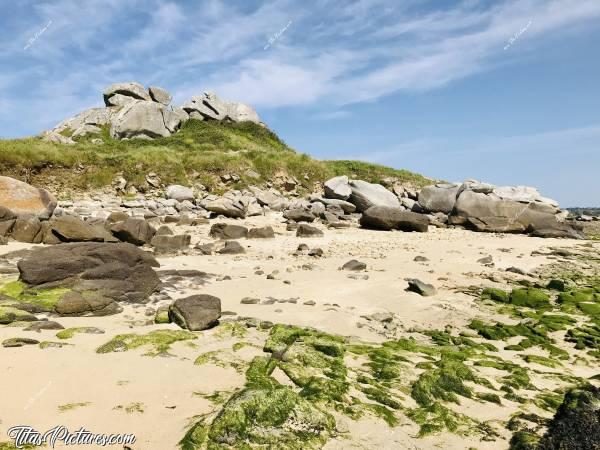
x: 503, y: 91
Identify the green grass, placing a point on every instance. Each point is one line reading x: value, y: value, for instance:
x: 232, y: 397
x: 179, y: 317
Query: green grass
x: 199, y: 152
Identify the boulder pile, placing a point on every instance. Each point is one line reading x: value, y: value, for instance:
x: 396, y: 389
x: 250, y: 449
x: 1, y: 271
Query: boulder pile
x: 131, y: 112
x: 504, y: 209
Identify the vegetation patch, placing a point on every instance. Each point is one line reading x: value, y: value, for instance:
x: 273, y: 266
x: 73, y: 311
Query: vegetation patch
x: 71, y: 406
x: 68, y: 333
x: 159, y: 341
x: 131, y: 408
x: 201, y: 151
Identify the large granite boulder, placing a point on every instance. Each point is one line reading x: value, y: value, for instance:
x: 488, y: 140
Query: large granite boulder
x: 196, y: 313
x: 209, y: 106
x: 95, y: 275
x: 144, y: 120
x: 386, y: 218
x: 132, y: 90
x: 439, y: 197
x: 489, y: 212
x: 338, y: 188
x: 25, y: 200
x: 364, y: 195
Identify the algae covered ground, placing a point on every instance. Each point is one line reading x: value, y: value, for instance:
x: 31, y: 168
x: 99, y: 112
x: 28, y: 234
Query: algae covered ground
x: 492, y: 380
x: 424, y: 377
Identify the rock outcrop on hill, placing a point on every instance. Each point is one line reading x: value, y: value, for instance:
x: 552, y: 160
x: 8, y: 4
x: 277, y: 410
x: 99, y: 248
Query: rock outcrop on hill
x: 131, y: 112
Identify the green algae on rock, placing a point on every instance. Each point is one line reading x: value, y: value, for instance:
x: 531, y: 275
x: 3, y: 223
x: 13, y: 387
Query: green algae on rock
x: 68, y: 333
x: 40, y: 299
x: 159, y: 341
x: 531, y: 298
x: 9, y: 315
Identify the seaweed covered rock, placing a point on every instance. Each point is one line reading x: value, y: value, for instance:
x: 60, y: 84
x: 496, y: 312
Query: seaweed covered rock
x: 576, y: 424
x: 530, y: 297
x: 88, y: 277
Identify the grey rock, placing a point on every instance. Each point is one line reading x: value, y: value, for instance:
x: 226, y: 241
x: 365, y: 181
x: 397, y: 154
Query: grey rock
x: 231, y: 248
x: 160, y: 95
x: 135, y: 231
x: 27, y: 229
x: 305, y: 230
x: 143, y: 120
x: 421, y: 288
x: 299, y: 215
x: 439, y: 197
x: 209, y: 106
x: 44, y: 325
x: 164, y: 230
x: 345, y: 206
x: 261, y: 233
x: 337, y: 188
x: 228, y: 231
x: 131, y: 89
x: 387, y: 218
x: 166, y: 244
x: 179, y: 193
x: 196, y: 313
x: 365, y: 195
x: 354, y: 265
x: 118, y: 100
x: 73, y: 229
x: 227, y: 207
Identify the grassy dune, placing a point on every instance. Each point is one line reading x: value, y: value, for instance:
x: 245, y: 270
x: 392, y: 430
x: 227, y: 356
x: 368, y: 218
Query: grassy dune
x: 199, y: 152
